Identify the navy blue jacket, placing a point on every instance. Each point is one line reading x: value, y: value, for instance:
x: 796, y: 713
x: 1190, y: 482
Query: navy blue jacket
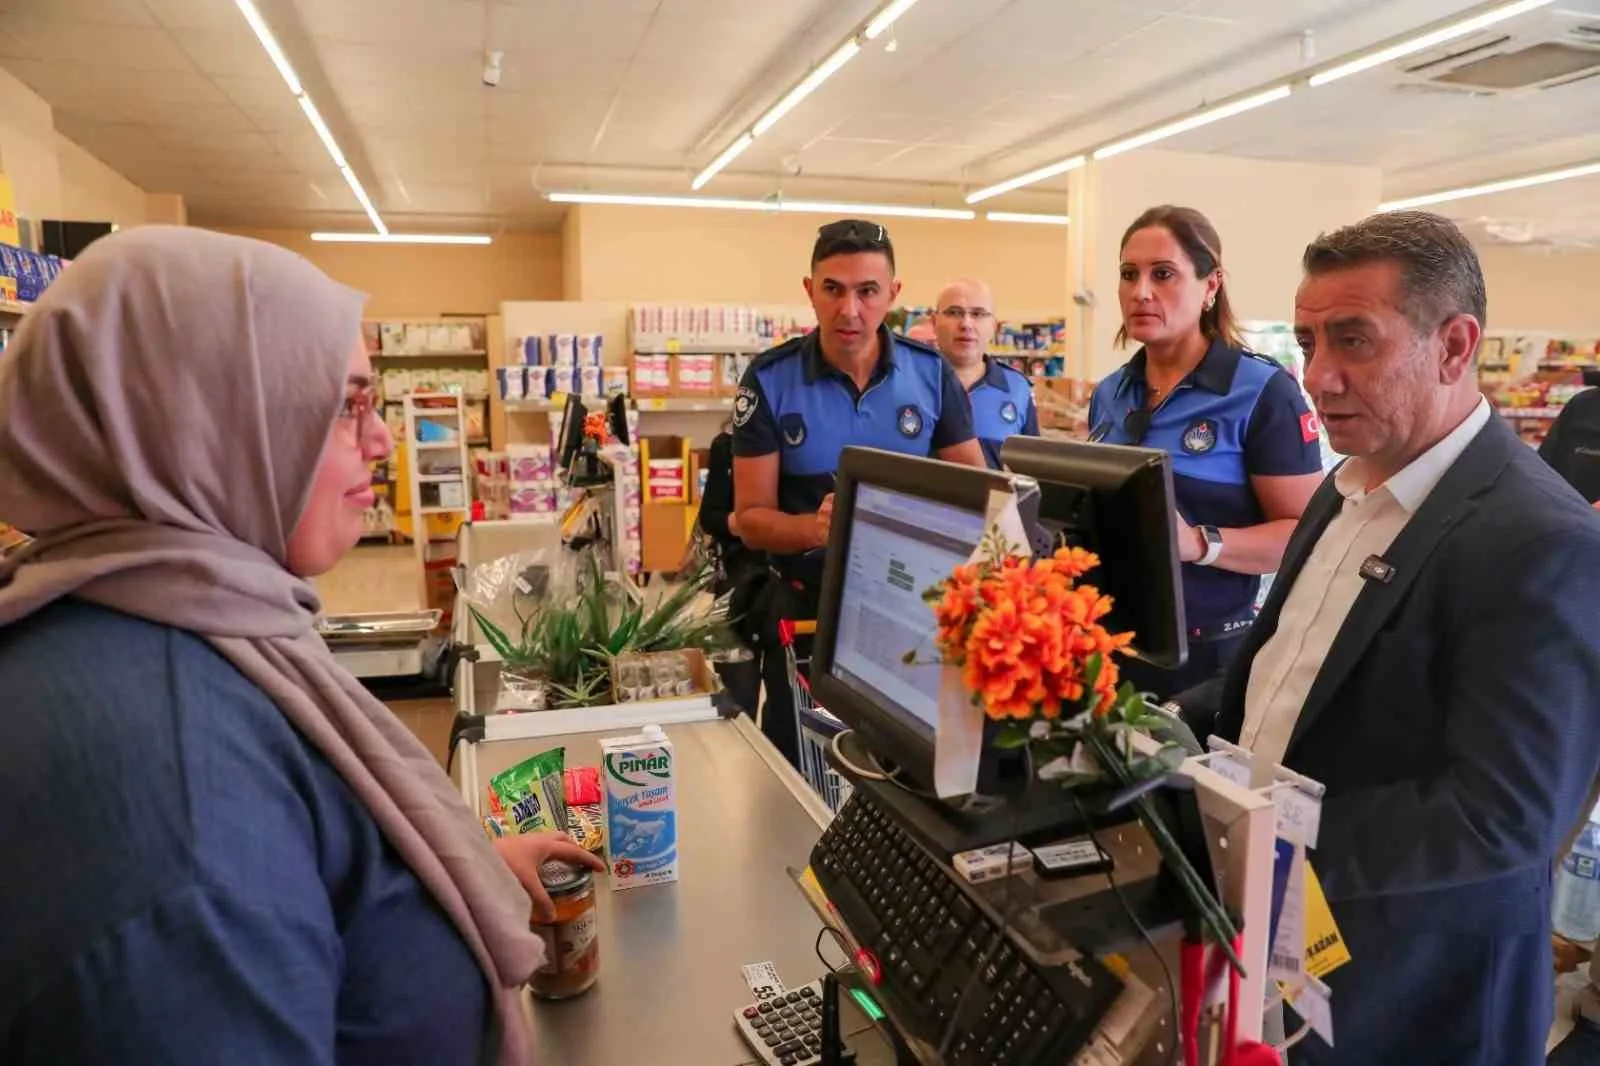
x: 1454, y: 725
x: 793, y: 402
x: 188, y: 881
x: 1002, y: 406
x: 1236, y: 416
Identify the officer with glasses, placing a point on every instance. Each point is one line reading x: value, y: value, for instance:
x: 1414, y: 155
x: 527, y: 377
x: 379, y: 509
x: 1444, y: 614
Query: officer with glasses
x: 1246, y: 448
x: 851, y: 382
x: 1002, y: 399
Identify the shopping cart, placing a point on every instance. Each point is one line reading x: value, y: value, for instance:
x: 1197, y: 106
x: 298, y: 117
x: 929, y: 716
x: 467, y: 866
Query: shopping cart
x: 817, y: 727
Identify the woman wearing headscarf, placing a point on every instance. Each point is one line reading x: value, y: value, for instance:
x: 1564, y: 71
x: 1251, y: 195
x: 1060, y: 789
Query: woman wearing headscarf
x: 217, y: 846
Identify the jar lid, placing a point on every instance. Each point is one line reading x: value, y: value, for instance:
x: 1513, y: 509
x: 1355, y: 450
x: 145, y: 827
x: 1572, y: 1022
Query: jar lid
x: 563, y: 878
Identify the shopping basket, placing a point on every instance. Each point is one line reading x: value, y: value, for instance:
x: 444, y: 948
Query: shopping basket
x: 817, y: 727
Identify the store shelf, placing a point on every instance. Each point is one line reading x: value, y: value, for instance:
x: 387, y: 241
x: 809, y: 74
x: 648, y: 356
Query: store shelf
x: 1530, y: 412
x: 474, y: 353
x: 440, y: 479
x: 437, y: 446
x: 686, y: 405
x: 529, y: 406
x: 1028, y: 355
x: 13, y: 308
x: 444, y: 510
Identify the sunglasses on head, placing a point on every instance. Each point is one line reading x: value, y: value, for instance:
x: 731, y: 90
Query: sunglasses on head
x: 1137, y: 424
x: 854, y: 229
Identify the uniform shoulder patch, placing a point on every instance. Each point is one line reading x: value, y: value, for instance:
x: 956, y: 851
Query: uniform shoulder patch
x: 745, y: 404
x: 1200, y: 437
x: 909, y: 420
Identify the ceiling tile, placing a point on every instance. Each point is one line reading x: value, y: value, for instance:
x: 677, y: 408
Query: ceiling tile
x: 602, y: 29
x: 231, y: 52
x: 447, y: 25
x: 265, y: 101
x: 193, y: 14
x: 97, y: 12
x: 117, y: 46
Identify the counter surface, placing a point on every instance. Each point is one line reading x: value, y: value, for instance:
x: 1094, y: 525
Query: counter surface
x: 671, y: 955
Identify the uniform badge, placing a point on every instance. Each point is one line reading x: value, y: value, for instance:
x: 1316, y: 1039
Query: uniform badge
x: 744, y: 405
x: 1200, y: 437
x: 910, y: 421
x: 793, y: 428
x: 1008, y: 412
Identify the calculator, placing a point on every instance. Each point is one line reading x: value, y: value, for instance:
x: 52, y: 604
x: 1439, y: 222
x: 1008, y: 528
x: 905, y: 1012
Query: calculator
x: 785, y: 1030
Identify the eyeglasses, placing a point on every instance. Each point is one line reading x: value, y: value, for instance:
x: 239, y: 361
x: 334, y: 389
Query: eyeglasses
x: 854, y: 229
x: 360, y: 408
x: 1137, y: 425
x: 956, y: 314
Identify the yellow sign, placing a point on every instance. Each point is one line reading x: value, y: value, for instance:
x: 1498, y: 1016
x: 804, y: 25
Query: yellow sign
x: 8, y: 213
x: 1325, y: 948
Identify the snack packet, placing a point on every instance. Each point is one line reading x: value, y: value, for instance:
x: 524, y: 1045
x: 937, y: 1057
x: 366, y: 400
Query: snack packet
x: 585, y: 813
x: 531, y: 793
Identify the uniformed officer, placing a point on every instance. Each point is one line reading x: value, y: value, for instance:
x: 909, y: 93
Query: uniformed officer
x: 1246, y: 448
x: 1572, y: 447
x: 851, y: 382
x: 1002, y: 398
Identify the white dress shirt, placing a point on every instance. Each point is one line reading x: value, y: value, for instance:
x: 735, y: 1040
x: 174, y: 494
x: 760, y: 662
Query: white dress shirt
x: 1327, y: 586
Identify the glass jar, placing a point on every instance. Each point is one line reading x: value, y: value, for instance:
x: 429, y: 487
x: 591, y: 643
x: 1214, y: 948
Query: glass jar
x: 571, y: 940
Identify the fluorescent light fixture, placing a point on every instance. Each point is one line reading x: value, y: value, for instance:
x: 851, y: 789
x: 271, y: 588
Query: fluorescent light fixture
x: 729, y: 154
x: 820, y: 207
x: 403, y: 238
x: 354, y: 182
x: 1427, y: 40
x: 275, y: 53
x: 1027, y: 179
x: 325, y: 134
x: 808, y: 85
x: 885, y: 17
x: 270, y: 44
x: 1020, y: 216
x: 629, y: 200
x: 1194, y: 122
x: 1545, y: 178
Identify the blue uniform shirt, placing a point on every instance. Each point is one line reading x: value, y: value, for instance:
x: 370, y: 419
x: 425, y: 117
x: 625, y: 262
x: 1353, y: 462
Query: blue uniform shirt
x: 793, y: 402
x: 1002, y: 405
x: 1237, y: 415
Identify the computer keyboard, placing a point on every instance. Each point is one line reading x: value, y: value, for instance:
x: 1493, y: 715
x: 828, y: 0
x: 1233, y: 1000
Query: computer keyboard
x: 928, y: 935
x: 785, y: 1030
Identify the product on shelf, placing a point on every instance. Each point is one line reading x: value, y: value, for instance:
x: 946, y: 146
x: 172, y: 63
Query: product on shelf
x: 707, y: 328
x: 24, y: 275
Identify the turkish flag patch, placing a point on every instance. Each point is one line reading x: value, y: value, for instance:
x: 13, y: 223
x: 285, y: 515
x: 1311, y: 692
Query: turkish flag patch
x: 1310, y: 427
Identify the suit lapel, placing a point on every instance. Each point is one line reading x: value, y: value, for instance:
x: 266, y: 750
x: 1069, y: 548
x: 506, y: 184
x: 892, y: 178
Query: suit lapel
x: 1451, y: 501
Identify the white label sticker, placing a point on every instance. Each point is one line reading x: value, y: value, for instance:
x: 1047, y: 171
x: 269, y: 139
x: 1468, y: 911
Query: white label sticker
x: 1233, y: 769
x: 1314, y: 1003
x: 764, y: 982
x: 1286, y: 961
x: 1299, y: 816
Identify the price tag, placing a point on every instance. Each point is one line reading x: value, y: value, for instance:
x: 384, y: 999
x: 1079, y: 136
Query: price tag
x: 1234, y: 769
x: 1299, y: 815
x: 1314, y: 1002
x: 1286, y: 960
x: 764, y: 982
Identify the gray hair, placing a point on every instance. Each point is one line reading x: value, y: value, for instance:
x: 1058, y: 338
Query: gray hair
x: 1439, y: 271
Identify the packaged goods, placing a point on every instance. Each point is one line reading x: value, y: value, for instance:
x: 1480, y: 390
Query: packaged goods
x: 532, y: 793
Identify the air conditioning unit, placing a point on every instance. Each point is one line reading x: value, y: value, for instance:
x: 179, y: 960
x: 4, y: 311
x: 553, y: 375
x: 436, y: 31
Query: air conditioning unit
x: 1544, y: 49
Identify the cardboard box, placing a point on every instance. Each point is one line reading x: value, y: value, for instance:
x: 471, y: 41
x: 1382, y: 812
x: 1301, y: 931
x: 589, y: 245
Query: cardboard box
x: 702, y: 679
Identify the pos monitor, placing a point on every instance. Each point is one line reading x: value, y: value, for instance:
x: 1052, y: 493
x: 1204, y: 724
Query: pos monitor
x: 901, y: 524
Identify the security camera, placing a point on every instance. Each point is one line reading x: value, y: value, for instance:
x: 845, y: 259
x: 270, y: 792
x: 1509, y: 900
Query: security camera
x: 491, y: 68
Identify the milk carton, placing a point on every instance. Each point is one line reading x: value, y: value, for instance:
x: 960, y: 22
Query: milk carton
x: 641, y: 806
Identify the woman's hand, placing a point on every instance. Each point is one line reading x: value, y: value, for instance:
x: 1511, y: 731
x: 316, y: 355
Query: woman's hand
x: 733, y: 523
x: 1191, y: 542
x: 529, y: 851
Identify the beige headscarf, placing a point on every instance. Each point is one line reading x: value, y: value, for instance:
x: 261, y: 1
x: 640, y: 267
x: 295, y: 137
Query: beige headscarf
x: 163, y: 410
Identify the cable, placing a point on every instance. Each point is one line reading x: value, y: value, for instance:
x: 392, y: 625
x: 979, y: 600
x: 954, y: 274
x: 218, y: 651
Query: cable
x: 838, y: 753
x: 1127, y: 910
x: 838, y: 940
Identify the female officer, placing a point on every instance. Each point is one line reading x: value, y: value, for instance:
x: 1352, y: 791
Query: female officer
x: 1246, y: 451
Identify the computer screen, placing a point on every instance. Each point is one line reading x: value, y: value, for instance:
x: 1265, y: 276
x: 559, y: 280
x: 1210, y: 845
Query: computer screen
x: 899, y: 546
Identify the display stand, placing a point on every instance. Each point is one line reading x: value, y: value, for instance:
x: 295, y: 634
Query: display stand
x: 437, y: 476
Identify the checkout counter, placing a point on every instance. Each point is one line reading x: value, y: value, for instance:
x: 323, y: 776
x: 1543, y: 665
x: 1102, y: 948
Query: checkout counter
x: 671, y: 956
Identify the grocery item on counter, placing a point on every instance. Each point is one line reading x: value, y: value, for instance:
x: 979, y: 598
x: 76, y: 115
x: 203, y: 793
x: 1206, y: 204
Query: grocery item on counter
x: 571, y: 938
x: 532, y: 793
x: 641, y: 805
x: 586, y: 818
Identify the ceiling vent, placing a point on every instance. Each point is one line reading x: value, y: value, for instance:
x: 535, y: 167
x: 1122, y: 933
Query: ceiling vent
x: 1540, y: 51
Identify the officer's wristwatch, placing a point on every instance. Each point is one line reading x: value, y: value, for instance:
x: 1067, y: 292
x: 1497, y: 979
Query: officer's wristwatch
x: 1213, y: 537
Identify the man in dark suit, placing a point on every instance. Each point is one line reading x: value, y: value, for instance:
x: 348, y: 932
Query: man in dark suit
x: 1430, y: 651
